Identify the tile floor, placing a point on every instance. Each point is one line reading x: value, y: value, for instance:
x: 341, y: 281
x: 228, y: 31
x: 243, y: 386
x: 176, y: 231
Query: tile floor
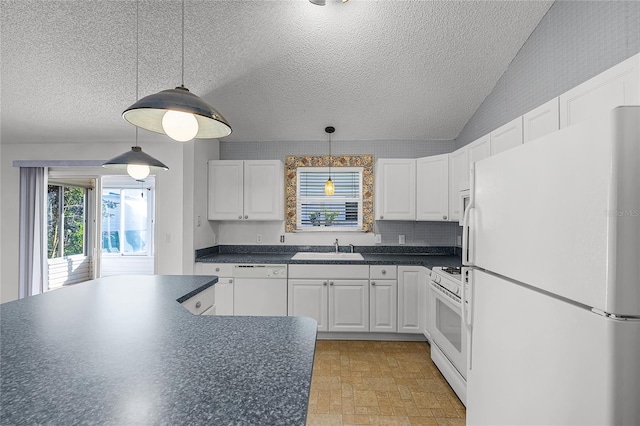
x: 390, y: 383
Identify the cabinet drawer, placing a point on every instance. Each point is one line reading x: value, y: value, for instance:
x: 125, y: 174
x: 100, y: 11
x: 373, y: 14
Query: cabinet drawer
x: 329, y: 271
x: 219, y: 269
x: 201, y: 301
x: 384, y: 272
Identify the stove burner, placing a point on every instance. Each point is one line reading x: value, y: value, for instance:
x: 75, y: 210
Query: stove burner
x: 453, y: 270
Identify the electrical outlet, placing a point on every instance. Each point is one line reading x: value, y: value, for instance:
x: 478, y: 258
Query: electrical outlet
x: 258, y: 238
x: 378, y: 238
x: 401, y: 239
x: 199, y: 220
x: 459, y: 240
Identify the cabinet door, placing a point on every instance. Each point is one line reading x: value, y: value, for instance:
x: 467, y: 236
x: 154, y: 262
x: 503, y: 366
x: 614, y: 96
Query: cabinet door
x: 383, y: 306
x: 225, y: 190
x: 396, y: 189
x: 507, y: 136
x: 263, y: 190
x: 409, y: 301
x: 476, y: 151
x: 541, y: 121
x: 224, y: 296
x: 348, y: 305
x: 616, y: 86
x: 308, y: 298
x: 432, y: 194
x: 457, y: 175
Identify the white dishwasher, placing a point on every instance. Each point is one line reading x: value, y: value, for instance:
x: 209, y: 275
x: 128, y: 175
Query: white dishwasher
x: 260, y: 290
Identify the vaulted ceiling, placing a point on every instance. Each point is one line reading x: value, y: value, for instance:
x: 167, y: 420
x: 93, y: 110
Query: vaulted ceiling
x: 277, y: 70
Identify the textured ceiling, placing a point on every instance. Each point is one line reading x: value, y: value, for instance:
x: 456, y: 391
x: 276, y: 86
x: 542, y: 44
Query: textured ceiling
x: 277, y: 70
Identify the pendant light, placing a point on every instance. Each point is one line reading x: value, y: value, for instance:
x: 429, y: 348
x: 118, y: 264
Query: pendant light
x: 137, y: 163
x: 329, y: 187
x: 178, y: 113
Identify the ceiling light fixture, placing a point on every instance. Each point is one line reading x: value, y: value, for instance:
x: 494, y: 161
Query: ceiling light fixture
x: 318, y: 2
x: 329, y: 187
x: 178, y: 113
x: 137, y: 164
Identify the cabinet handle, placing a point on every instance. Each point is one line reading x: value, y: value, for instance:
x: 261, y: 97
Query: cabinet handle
x: 230, y: 280
x: 240, y: 217
x: 246, y: 217
x: 373, y: 283
x: 198, y: 304
x: 324, y: 283
x: 217, y: 269
x: 330, y: 282
x: 384, y: 271
x: 444, y: 217
x: 381, y: 217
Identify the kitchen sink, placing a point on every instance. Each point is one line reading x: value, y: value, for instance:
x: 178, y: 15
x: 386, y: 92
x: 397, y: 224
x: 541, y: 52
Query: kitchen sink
x: 310, y: 255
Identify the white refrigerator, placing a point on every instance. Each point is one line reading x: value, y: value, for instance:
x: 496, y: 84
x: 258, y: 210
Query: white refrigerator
x: 552, y: 254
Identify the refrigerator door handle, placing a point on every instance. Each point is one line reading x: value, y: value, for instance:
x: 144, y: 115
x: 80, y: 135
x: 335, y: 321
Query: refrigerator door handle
x: 467, y: 247
x: 467, y: 317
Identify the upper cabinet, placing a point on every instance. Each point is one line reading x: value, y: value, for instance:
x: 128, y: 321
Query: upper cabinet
x: 458, y: 175
x: 246, y: 190
x: 476, y: 151
x: 432, y: 200
x: 541, y: 121
x: 619, y: 85
x: 395, y: 189
x: 506, y: 137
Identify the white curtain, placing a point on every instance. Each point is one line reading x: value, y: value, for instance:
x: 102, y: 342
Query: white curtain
x: 33, y: 231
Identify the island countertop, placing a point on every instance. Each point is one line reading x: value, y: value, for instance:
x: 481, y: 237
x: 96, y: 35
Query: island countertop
x: 122, y: 350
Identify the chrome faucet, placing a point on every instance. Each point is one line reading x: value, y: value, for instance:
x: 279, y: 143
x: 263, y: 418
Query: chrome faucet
x: 337, y: 246
x: 351, y: 247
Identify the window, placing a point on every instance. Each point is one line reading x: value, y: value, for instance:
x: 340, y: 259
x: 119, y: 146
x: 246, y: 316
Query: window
x: 127, y: 221
x: 66, y: 221
x: 319, y: 212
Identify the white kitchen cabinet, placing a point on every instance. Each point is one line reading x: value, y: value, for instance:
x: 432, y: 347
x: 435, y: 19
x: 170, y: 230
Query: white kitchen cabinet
x: 246, y: 190
x: 542, y: 120
x: 410, y: 304
x: 619, y: 85
x: 348, y: 305
x: 201, y: 302
x: 458, y: 174
x: 337, y: 296
x: 383, y: 299
x: 309, y: 298
x: 426, y: 303
x: 507, y: 136
x: 432, y: 188
x: 395, y: 196
x: 223, y: 289
x: 476, y: 151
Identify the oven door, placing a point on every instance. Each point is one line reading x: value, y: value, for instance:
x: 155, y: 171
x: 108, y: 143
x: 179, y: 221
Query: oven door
x: 448, y: 331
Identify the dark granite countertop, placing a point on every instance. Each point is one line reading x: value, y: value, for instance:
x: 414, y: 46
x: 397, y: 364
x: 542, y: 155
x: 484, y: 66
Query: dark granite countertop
x: 428, y: 257
x: 122, y: 351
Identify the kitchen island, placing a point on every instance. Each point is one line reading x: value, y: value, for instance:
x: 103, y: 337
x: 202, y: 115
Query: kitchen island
x: 122, y: 350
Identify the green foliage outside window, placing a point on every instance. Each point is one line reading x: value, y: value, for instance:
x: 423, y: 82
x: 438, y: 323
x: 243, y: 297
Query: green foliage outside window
x: 66, y: 221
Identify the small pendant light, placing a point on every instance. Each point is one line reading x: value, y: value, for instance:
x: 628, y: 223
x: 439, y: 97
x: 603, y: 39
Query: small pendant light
x: 137, y: 164
x: 329, y: 187
x: 178, y: 113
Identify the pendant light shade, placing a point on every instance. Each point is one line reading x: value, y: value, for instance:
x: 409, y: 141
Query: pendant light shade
x: 329, y: 188
x: 137, y: 163
x: 179, y: 114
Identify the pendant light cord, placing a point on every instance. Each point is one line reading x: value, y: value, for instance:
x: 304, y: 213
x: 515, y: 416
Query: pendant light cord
x: 182, y: 43
x: 330, y: 156
x: 137, y: 56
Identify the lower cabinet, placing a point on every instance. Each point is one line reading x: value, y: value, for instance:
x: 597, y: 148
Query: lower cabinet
x: 410, y: 305
x: 337, y: 305
x: 383, y: 301
x: 223, y: 288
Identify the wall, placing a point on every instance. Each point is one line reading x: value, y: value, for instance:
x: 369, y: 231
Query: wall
x: 170, y: 207
x: 416, y: 233
x: 575, y: 41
